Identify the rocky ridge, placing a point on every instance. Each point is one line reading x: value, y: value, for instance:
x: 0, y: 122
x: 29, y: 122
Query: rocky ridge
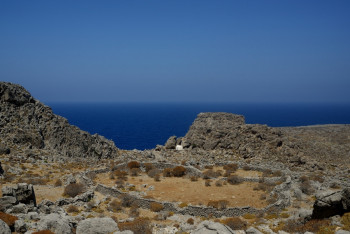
x: 27, y: 124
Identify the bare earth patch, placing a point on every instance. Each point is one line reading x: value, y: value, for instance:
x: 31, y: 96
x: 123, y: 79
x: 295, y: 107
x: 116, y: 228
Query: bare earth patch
x: 196, y: 193
x: 43, y: 192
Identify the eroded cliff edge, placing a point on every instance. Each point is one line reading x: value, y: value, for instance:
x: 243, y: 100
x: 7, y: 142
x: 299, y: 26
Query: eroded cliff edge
x: 26, y: 123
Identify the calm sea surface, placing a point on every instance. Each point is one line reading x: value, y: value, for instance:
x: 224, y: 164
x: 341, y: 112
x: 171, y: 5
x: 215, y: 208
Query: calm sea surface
x: 143, y: 126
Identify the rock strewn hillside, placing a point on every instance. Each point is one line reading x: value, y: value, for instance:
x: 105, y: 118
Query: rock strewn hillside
x: 26, y: 123
x: 296, y: 145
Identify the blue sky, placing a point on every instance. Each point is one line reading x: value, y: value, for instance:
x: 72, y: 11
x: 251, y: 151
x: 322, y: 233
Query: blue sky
x: 178, y: 51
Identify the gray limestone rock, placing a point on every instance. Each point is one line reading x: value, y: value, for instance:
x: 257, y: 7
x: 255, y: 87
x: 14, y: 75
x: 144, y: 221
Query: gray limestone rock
x: 209, y: 227
x: 24, y: 193
x: 20, y: 226
x: 342, y: 232
x: 55, y: 223
x: 4, y: 228
x: 97, y: 226
x: 171, y: 143
x: 253, y: 230
x: 20, y: 208
x: 27, y: 123
x: 7, y: 202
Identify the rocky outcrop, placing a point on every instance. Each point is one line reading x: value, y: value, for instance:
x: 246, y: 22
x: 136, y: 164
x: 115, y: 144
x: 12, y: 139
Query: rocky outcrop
x: 210, y: 227
x: 212, y: 131
x: 26, y: 123
x: 331, y: 203
x: 20, y: 193
x: 97, y: 225
x: 4, y: 228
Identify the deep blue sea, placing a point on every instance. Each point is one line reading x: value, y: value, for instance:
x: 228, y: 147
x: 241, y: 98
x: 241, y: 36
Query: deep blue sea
x: 143, y: 126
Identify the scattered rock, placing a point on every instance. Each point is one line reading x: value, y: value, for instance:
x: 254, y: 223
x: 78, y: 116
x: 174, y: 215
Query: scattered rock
x: 55, y: 223
x: 253, y: 230
x: 24, y: 193
x: 4, y: 228
x: 97, y: 226
x: 20, y: 226
x: 171, y: 143
x: 209, y: 227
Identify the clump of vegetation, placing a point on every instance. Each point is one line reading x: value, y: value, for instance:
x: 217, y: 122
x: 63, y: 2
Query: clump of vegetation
x: 8, y: 219
x: 190, y: 221
x: 230, y: 168
x: 72, y: 209
x: 135, y: 171
x: 183, y: 204
x: 306, y: 187
x: 148, y: 167
x: 220, y: 204
x: 157, y: 178
x: 179, y: 171
x: 207, y: 183
x: 153, y: 172
x: 134, y: 211
x: 249, y: 216
x: 315, y: 226
x: 194, y: 178
x: 115, y: 206
x: 345, y: 220
x: 58, y: 183
x: 218, y: 183
x: 235, y: 223
x: 208, y: 174
x: 167, y: 172
x: 73, y: 190
x: 138, y: 226
x: 156, y: 207
x: 133, y: 164
x: 127, y: 200
x: 234, y: 179
x: 247, y: 168
x: 122, y: 175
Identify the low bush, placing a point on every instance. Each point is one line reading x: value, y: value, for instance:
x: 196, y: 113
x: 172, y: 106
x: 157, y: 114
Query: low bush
x: 190, y: 221
x: 194, y: 178
x: 207, y: 183
x: 234, y: 179
x: 73, y: 190
x: 231, y: 168
x: 235, y: 223
x: 345, y: 220
x: 138, y: 226
x: 208, y: 174
x: 306, y: 187
x: 126, y: 200
x: 8, y: 219
x: 72, y: 209
x: 179, y: 171
x: 218, y: 183
x: 58, y: 183
x: 247, y: 168
x: 167, y: 172
x: 156, y: 207
x: 135, y: 171
x: 115, y: 206
x: 123, y: 175
x: 133, y: 164
x: 148, y: 167
x: 120, y: 183
x: 153, y: 172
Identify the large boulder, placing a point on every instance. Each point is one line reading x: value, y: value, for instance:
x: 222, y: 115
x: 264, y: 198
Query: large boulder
x: 22, y: 192
x: 171, y: 143
x: 4, y: 228
x: 7, y: 202
x: 97, y: 226
x: 55, y: 223
x: 209, y: 227
x: 330, y: 203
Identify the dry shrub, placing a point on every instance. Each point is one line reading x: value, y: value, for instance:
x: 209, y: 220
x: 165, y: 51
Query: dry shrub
x: 126, y: 200
x: 247, y: 168
x: 135, y: 171
x: 207, y: 183
x: 345, y: 220
x: 183, y: 204
x: 72, y: 209
x: 8, y: 219
x: 153, y: 172
x: 190, y: 221
x: 267, y: 173
x: 303, y: 178
x: 111, y: 175
x: 235, y: 223
x: 167, y: 172
x: 157, y: 178
x: 218, y: 183
x: 115, y: 206
x: 58, y: 183
x: 138, y: 226
x: 123, y: 175
x: 209, y: 167
x: 220, y: 204
x: 134, y: 211
x: 73, y: 190
x: 230, y: 168
x: 211, y: 174
x: 315, y: 225
x: 234, y: 179
x: 43, y: 232
x: 91, y: 175
x: 194, y: 178
x: 249, y: 216
x: 306, y: 187
x: 179, y: 171
x: 133, y: 164
x: 156, y: 207
x: 120, y: 183
x: 148, y: 167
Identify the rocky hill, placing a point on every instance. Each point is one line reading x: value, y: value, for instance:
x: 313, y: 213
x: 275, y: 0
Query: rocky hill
x: 27, y: 124
x: 311, y: 145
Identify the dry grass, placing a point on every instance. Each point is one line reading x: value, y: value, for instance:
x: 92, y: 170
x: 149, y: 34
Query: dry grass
x: 176, y: 189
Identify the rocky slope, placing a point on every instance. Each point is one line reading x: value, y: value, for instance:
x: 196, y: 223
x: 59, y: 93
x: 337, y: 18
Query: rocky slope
x: 291, y: 145
x: 27, y: 124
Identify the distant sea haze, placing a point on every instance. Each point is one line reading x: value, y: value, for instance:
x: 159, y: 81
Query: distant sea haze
x: 143, y: 126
